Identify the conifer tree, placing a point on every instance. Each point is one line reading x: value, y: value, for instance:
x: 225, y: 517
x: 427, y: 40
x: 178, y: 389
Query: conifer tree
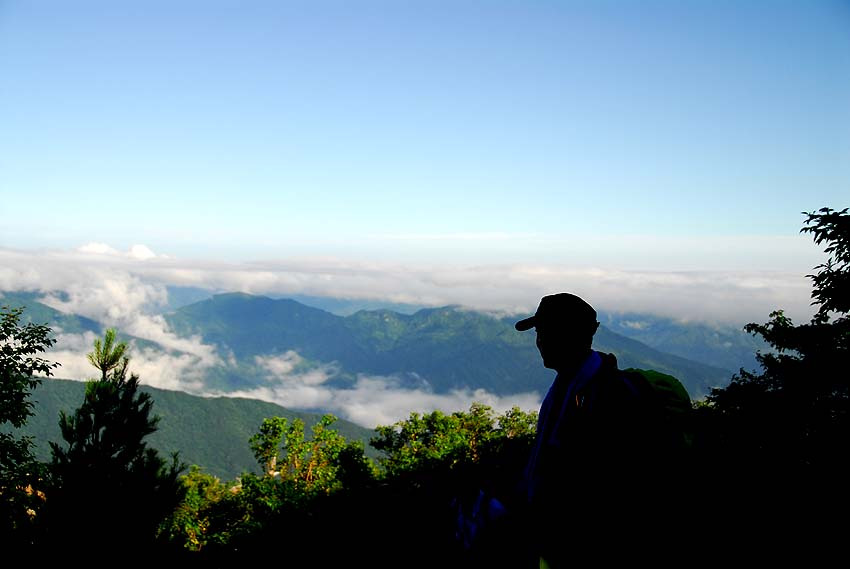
x: 108, y: 485
x: 108, y: 355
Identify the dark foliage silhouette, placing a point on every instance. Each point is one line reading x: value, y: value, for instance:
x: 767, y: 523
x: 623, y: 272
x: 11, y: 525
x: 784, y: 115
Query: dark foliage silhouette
x: 775, y: 441
x: 108, y: 489
x: 20, y: 363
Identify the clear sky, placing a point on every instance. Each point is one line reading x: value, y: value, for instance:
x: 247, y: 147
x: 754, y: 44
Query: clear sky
x: 680, y: 135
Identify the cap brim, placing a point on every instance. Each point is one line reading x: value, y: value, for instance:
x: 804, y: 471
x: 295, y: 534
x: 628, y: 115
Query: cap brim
x: 524, y: 325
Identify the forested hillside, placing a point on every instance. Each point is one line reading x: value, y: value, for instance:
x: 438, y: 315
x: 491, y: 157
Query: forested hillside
x: 212, y: 432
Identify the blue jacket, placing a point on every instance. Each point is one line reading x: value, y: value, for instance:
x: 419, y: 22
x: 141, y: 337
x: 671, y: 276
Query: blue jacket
x: 593, y: 429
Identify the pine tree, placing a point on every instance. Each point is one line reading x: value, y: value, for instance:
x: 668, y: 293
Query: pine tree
x: 109, y: 488
x: 108, y: 355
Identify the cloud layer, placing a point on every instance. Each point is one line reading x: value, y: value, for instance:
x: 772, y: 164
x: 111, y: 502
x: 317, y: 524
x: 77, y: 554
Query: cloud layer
x: 373, y: 400
x: 128, y: 289
x: 116, y: 287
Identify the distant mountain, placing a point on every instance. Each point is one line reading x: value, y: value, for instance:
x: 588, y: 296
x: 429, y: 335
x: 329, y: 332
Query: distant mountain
x: 446, y: 348
x: 40, y: 313
x: 723, y: 346
x: 210, y: 432
x: 62, y: 322
x: 441, y: 349
x: 180, y: 296
x: 349, y: 306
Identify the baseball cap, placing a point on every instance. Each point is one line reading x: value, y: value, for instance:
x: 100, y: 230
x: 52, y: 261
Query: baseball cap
x: 562, y: 309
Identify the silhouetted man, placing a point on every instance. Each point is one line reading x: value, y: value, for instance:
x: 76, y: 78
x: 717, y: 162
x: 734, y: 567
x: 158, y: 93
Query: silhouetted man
x: 587, y: 473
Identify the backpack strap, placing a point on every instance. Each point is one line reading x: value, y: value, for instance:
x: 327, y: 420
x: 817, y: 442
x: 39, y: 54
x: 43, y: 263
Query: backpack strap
x: 632, y: 381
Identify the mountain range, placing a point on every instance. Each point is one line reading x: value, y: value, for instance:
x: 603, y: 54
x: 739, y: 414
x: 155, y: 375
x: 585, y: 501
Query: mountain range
x: 437, y: 349
x: 719, y: 345
x: 433, y: 350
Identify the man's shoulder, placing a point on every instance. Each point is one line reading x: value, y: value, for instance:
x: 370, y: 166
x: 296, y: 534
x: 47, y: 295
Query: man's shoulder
x: 613, y: 382
x: 631, y: 379
x: 609, y: 361
x: 609, y: 371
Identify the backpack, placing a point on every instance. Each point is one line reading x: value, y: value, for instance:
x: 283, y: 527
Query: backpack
x: 667, y: 401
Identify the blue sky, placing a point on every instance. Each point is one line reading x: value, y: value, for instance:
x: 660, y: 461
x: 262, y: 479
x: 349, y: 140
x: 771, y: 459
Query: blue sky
x: 626, y: 135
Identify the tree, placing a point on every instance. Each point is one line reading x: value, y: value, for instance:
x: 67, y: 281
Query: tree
x: 439, y: 441
x: 209, y: 514
x: 832, y: 282
x: 108, y: 355
x: 777, y: 439
x: 322, y: 464
x: 19, y: 369
x: 106, y: 482
x: 436, y: 465
x: 795, y: 412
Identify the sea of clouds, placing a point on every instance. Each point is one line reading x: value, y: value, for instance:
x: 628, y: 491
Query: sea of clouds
x: 129, y: 290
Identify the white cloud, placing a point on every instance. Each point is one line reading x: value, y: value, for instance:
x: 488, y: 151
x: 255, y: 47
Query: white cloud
x: 137, y: 252
x: 141, y: 252
x: 175, y: 371
x: 377, y: 400
x: 178, y: 372
x: 371, y: 401
x: 100, y: 283
x: 117, y: 289
x: 725, y: 296
x: 98, y: 249
x: 278, y: 366
x: 120, y: 299
x: 70, y: 352
x: 281, y: 370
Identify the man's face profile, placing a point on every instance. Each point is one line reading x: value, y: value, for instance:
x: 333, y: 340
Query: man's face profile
x: 562, y: 346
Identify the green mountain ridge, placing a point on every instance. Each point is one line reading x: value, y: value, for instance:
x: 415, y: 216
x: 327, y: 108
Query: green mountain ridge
x: 211, y: 432
x: 723, y: 346
x: 449, y: 348
x: 719, y: 345
x: 439, y: 349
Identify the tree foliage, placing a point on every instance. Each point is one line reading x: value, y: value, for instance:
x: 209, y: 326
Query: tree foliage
x: 107, y: 355
x: 300, y: 476
x: 209, y: 515
x: 106, y: 480
x: 831, y: 288
x: 437, y: 465
x: 789, y: 423
x: 324, y: 494
x: 20, y: 367
x: 321, y: 464
x: 437, y: 440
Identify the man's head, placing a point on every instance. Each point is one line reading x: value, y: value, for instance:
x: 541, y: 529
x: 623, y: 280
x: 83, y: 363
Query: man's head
x: 565, y: 326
